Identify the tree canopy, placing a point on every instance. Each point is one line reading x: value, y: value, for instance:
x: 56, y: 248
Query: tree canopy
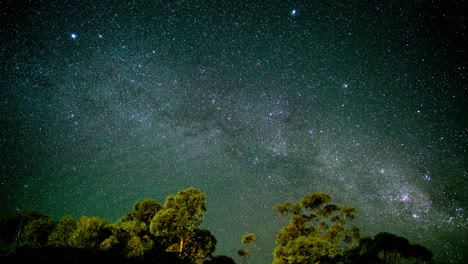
x: 178, y: 221
x: 150, y: 231
x: 388, y: 248
x: 318, y: 232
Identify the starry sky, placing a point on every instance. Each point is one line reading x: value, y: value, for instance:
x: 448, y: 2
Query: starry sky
x: 104, y: 103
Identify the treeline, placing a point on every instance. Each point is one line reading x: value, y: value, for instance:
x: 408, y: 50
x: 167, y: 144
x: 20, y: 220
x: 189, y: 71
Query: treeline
x: 318, y: 232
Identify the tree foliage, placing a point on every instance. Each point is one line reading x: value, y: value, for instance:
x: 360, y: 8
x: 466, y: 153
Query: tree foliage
x: 143, y: 211
x: 169, y: 233
x: 388, y: 248
x: 199, y: 246
x: 317, y: 231
x: 245, y: 253
x: 178, y: 220
x: 248, y: 238
x: 130, y: 239
x: 63, y: 232
x: 36, y: 232
x: 90, y: 233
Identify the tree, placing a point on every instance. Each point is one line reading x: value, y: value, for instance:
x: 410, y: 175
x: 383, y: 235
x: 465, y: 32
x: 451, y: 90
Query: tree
x: 245, y: 253
x: 200, y: 245
x: 220, y: 260
x: 317, y: 231
x: 62, y: 233
x: 178, y: 221
x: 248, y: 238
x: 388, y: 248
x: 131, y: 237
x: 143, y: 211
x: 36, y: 232
x: 90, y: 233
x: 12, y: 225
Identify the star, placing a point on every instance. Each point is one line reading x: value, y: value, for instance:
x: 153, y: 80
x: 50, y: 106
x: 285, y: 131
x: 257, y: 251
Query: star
x: 74, y: 36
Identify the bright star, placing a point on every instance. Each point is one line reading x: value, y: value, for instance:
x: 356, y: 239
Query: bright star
x: 73, y: 35
x: 293, y: 12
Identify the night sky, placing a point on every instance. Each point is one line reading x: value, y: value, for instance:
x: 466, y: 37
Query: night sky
x: 105, y: 103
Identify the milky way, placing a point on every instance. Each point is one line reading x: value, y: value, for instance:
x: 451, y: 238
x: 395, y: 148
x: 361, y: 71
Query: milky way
x: 255, y: 104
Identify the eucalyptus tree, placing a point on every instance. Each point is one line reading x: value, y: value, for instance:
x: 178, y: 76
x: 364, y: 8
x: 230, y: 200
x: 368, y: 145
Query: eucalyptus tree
x: 177, y: 224
x: 318, y: 231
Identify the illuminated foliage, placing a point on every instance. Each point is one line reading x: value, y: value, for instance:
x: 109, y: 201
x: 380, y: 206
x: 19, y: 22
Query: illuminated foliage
x: 90, y: 233
x: 306, y: 249
x: 245, y: 253
x: 24, y: 229
x: 199, y: 246
x: 36, y: 232
x: 169, y: 233
x: 63, y: 231
x: 130, y: 235
x: 179, y: 217
x: 317, y: 231
x: 131, y: 240
x: 177, y: 222
x: 11, y: 225
x: 134, y: 239
x: 143, y: 211
x: 138, y: 247
x: 248, y: 238
x: 283, y: 208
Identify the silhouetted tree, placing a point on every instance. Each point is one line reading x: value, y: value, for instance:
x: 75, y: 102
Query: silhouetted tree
x: 11, y: 225
x: 24, y: 229
x: 388, y: 248
x: 36, y: 232
x: 220, y: 260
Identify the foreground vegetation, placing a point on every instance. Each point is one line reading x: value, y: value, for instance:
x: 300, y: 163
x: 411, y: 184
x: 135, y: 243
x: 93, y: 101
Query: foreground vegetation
x: 318, y: 232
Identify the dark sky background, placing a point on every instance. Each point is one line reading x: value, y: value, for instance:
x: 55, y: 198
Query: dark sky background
x: 104, y: 103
